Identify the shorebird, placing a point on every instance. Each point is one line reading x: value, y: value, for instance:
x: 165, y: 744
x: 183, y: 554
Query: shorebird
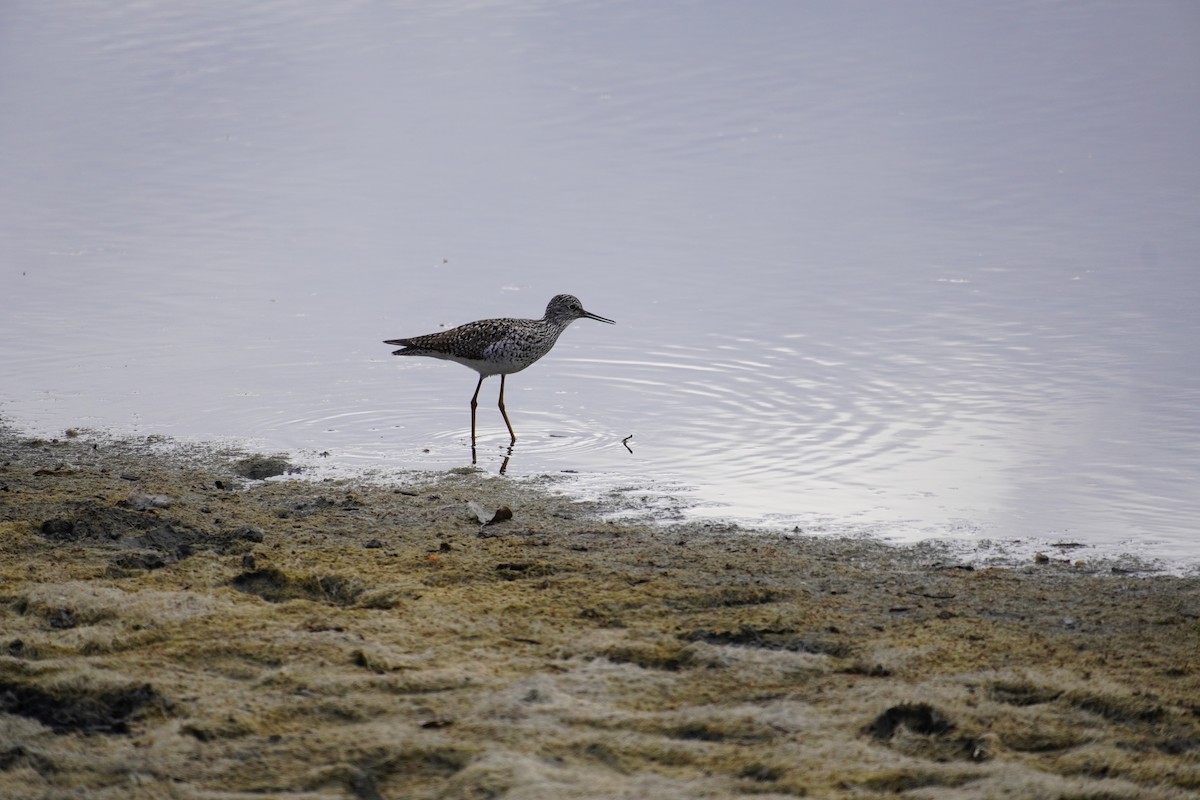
x: 499, y: 346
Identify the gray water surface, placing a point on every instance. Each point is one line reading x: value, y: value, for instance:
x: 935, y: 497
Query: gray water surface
x: 920, y: 269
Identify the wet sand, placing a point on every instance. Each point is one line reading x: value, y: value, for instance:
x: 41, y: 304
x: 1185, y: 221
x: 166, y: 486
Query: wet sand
x: 173, y: 626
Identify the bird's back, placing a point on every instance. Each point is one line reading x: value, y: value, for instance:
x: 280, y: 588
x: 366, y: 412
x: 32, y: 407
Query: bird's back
x: 488, y: 346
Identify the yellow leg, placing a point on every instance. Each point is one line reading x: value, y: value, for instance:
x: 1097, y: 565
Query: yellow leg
x: 505, y: 413
x: 474, y: 405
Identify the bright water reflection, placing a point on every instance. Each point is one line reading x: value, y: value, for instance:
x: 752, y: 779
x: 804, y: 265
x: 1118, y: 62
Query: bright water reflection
x: 911, y: 269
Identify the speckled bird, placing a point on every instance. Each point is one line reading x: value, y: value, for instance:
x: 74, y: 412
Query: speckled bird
x: 499, y: 346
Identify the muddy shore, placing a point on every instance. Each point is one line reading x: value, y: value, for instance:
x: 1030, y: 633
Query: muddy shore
x: 172, y: 625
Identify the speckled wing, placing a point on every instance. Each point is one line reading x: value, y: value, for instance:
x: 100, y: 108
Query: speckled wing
x: 469, y: 342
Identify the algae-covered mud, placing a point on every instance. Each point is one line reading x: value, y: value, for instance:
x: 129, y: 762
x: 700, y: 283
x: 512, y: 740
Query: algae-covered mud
x: 172, y: 625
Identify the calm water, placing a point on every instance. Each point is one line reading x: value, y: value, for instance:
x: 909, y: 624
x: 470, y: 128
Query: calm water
x: 919, y: 269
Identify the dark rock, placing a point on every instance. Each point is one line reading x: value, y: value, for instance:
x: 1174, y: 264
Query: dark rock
x: 276, y: 586
x: 78, y: 708
x: 262, y: 467
x: 920, y: 718
x: 248, y: 533
x: 60, y: 530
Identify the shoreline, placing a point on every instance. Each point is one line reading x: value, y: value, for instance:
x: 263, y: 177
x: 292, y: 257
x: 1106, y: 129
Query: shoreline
x: 622, y: 502
x: 174, y: 625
